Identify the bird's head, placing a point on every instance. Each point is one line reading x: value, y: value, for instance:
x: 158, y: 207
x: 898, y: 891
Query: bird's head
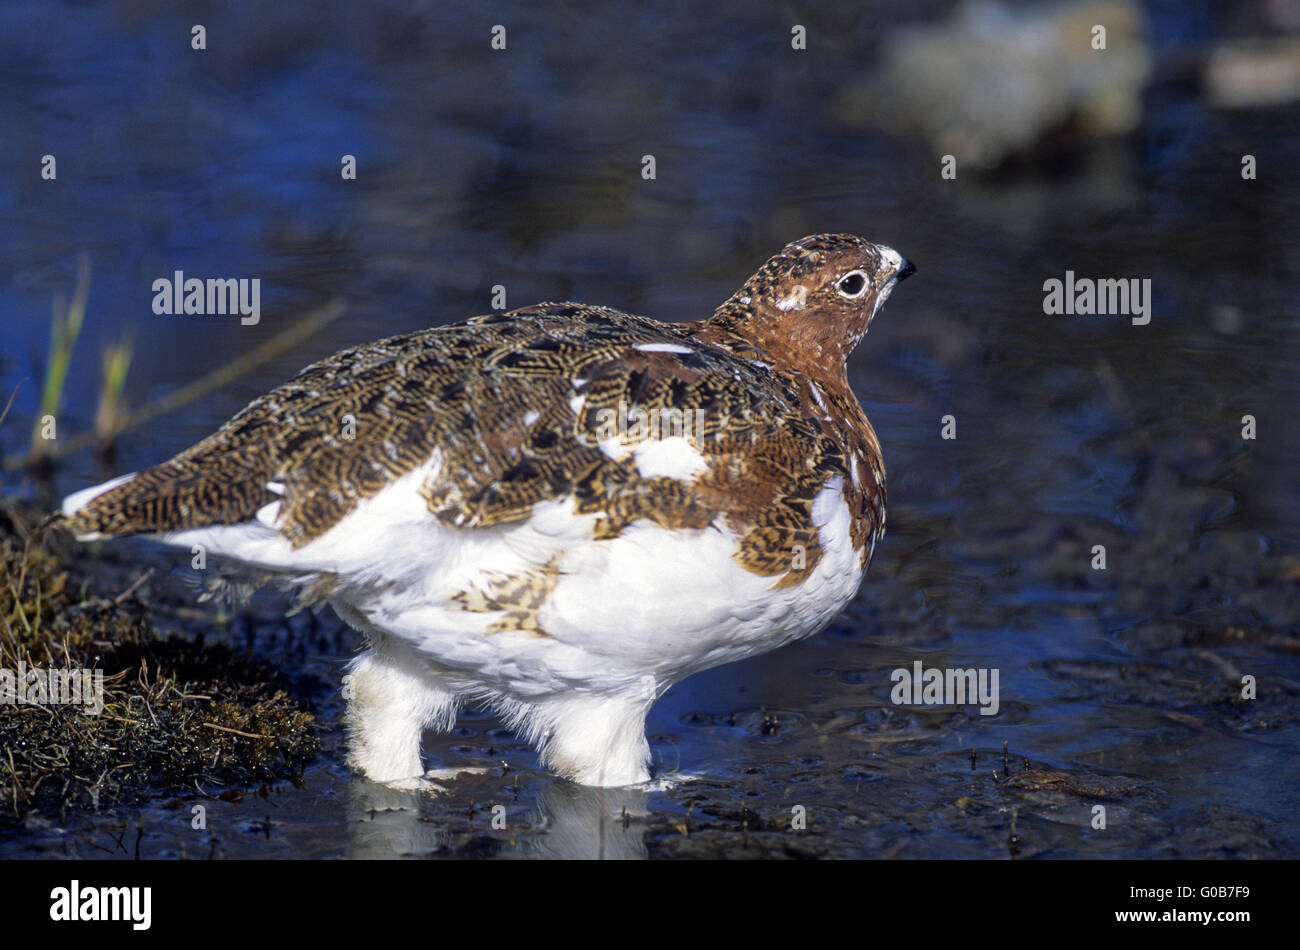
x: 815, y: 299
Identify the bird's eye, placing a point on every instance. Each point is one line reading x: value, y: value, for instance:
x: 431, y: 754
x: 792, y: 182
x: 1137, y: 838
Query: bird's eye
x: 852, y: 284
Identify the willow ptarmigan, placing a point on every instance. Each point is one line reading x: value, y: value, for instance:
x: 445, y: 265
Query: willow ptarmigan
x: 559, y: 511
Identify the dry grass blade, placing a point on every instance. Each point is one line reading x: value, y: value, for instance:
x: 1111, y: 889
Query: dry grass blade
x: 283, y: 342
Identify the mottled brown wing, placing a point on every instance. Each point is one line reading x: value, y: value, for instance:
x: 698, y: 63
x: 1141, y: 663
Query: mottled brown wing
x: 515, y: 405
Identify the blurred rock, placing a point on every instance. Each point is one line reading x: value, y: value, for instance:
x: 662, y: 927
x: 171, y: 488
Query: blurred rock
x: 993, y: 82
x: 1246, y: 74
x: 1282, y: 14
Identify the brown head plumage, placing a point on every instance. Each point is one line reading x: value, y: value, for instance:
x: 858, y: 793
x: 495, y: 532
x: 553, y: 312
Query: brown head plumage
x: 813, y: 302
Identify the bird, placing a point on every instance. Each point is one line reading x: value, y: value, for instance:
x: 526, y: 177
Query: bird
x: 556, y: 512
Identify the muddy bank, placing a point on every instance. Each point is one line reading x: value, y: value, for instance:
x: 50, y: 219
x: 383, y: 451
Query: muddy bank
x: 98, y: 709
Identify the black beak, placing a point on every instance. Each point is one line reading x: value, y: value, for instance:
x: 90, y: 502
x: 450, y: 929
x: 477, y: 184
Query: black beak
x: 906, y: 271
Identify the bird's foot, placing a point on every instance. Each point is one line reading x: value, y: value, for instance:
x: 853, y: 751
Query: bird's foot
x: 430, y: 781
x: 668, y: 781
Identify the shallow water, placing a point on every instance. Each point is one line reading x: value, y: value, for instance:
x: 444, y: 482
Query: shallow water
x: 1118, y: 687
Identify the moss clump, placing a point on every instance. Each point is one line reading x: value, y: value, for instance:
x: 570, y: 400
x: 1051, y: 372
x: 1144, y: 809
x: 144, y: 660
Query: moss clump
x: 177, y: 713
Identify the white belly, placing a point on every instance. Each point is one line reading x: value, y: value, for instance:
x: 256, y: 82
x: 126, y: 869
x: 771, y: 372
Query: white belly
x: 651, y: 602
